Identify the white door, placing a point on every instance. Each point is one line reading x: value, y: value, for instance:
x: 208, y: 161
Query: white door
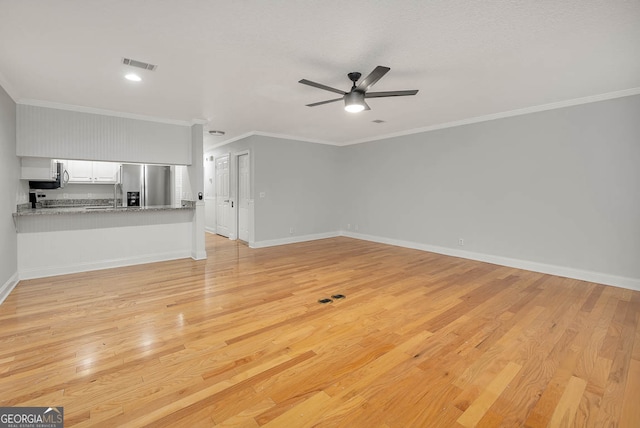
x: 223, y: 208
x: 243, y: 197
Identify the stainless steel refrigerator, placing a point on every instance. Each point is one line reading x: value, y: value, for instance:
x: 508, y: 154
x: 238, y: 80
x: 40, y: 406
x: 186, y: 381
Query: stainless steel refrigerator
x: 146, y: 185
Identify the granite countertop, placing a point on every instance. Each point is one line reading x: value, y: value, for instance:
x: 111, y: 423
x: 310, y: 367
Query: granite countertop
x: 96, y: 209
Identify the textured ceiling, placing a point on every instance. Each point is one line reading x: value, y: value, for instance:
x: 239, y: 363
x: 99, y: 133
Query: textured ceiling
x: 236, y: 64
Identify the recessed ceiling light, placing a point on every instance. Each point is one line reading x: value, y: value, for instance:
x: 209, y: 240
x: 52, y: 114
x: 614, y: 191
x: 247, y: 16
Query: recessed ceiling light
x: 133, y: 77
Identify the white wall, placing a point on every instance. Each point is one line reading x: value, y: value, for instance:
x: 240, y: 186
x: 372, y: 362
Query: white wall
x: 10, y: 189
x: 79, y: 191
x: 555, y: 189
x: 64, y: 134
x: 60, y: 244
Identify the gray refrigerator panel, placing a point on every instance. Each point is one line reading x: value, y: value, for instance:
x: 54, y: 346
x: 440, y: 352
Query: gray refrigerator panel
x: 132, y: 181
x: 157, y: 185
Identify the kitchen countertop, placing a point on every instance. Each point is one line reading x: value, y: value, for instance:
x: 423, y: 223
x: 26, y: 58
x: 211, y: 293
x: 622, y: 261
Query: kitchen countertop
x: 97, y: 210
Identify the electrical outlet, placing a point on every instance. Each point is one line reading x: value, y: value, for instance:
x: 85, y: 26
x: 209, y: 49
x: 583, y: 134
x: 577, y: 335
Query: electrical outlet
x: 89, y: 195
x: 461, y: 242
x: 263, y: 194
x: 291, y: 230
x: 348, y: 226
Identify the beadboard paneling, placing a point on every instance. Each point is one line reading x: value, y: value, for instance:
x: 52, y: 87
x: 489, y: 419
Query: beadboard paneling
x: 64, y: 134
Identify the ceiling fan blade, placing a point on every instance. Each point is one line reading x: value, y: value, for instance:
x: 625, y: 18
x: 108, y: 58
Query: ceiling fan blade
x: 390, y: 94
x: 372, y: 78
x: 324, y: 102
x: 321, y: 86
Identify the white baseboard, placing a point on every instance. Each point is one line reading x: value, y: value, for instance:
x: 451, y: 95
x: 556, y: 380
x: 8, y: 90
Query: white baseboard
x: 42, y: 272
x: 6, y: 288
x: 210, y: 230
x: 292, y: 240
x: 200, y: 255
x: 583, y: 275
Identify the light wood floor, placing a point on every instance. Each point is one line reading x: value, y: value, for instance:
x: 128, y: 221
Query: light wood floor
x: 421, y: 340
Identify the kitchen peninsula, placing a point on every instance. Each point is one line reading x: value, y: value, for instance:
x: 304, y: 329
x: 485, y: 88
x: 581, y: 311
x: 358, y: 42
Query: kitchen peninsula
x: 55, y: 240
x: 66, y: 239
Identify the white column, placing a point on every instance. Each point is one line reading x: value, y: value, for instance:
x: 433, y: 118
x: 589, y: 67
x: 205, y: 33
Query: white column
x: 196, y: 177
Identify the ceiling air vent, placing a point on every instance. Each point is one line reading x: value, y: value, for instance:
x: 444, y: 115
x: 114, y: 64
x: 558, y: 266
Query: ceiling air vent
x: 378, y: 121
x: 139, y: 64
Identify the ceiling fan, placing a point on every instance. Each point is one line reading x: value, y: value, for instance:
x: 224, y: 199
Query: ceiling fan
x: 354, y: 99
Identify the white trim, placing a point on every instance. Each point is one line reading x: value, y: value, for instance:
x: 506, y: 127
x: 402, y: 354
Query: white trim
x: 92, y: 110
x: 271, y: 135
x: 468, y: 121
x: 236, y: 156
x: 584, y: 275
x: 8, y: 286
x: 505, y: 114
x: 211, y: 230
x: 199, y: 255
x: 293, y: 240
x: 41, y: 272
x: 10, y: 90
x: 289, y: 137
x: 229, y: 141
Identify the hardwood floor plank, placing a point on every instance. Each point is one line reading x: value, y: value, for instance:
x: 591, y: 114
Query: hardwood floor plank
x: 630, y: 408
x: 239, y: 339
x: 565, y: 412
x: 479, y: 407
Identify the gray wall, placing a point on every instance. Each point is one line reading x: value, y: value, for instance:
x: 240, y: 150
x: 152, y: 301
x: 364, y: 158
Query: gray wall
x: 560, y: 187
x: 301, y: 182
x: 9, y: 188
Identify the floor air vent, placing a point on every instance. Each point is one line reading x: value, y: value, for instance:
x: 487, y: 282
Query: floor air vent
x: 335, y: 296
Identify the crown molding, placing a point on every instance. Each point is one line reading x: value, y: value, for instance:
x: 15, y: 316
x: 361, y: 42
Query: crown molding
x: 271, y: 135
x: 502, y: 115
x: 8, y: 88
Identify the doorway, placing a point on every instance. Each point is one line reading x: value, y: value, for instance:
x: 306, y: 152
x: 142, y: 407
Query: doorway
x: 223, y: 206
x: 244, y: 196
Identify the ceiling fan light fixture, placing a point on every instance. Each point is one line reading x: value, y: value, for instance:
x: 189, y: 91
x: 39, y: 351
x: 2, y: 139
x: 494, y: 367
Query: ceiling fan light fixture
x: 354, y: 102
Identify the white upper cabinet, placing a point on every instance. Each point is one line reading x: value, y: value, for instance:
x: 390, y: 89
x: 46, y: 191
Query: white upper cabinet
x: 105, y: 172
x: 79, y: 171
x: 38, y: 169
x: 92, y: 172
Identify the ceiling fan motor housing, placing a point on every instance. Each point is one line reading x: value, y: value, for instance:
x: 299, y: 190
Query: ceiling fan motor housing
x: 354, y: 76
